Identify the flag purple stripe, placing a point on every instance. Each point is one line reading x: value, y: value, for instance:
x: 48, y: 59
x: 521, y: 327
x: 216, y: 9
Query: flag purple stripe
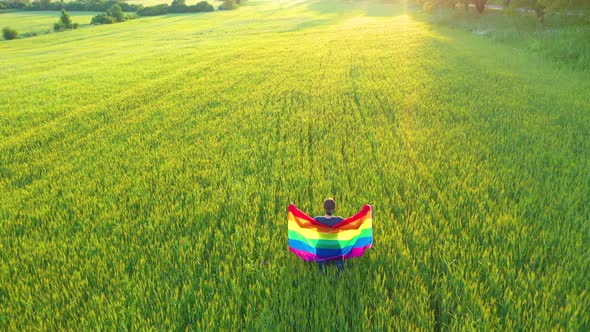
x: 355, y: 252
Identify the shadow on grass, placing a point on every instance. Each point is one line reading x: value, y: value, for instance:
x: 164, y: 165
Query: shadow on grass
x: 312, y: 24
x: 375, y: 8
x: 333, y: 12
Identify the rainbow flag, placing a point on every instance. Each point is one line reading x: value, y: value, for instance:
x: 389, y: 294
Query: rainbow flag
x: 314, y: 241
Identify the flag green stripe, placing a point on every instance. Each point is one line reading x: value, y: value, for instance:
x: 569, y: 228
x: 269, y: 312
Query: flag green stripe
x: 326, y: 242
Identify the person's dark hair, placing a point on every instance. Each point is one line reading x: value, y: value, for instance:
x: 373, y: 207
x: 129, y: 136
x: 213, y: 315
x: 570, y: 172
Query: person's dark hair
x: 329, y: 206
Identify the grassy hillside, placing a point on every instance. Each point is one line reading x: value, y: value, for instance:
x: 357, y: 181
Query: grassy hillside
x: 26, y: 22
x: 146, y: 168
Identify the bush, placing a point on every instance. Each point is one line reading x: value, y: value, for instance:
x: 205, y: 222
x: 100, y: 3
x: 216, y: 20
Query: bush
x: 29, y: 34
x: 154, y: 10
x: 9, y: 33
x: 113, y: 15
x: 103, y: 19
x: 201, y: 7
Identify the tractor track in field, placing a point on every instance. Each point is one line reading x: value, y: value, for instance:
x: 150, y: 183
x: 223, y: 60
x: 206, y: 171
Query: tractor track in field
x: 435, y: 305
x: 404, y: 120
x: 365, y: 124
x: 314, y: 86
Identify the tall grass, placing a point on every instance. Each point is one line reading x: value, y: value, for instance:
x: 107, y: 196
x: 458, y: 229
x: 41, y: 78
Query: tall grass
x: 145, y: 173
x: 562, y: 38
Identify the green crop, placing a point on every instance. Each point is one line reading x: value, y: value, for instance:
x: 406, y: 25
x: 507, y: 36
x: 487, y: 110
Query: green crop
x: 146, y: 169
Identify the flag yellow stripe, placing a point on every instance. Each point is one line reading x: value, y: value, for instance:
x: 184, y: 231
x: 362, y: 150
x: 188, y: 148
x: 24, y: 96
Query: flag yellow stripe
x: 314, y: 233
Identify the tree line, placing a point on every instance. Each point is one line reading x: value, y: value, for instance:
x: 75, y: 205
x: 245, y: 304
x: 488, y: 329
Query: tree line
x: 180, y: 6
x: 177, y: 6
x: 75, y: 5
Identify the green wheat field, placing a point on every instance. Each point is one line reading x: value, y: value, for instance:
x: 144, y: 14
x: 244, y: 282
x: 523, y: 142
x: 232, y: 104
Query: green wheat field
x: 146, y: 168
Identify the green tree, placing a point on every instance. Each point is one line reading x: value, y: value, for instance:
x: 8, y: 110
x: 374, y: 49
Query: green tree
x: 9, y: 33
x: 44, y: 4
x: 116, y: 12
x: 178, y: 6
x: 202, y: 6
x: 16, y: 4
x: 65, y: 22
x: 65, y: 19
x: 103, y: 19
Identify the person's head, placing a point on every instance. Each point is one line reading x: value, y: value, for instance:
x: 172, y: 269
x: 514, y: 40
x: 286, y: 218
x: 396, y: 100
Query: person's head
x: 329, y: 206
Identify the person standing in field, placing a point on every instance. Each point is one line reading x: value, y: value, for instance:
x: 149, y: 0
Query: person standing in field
x: 330, y: 220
